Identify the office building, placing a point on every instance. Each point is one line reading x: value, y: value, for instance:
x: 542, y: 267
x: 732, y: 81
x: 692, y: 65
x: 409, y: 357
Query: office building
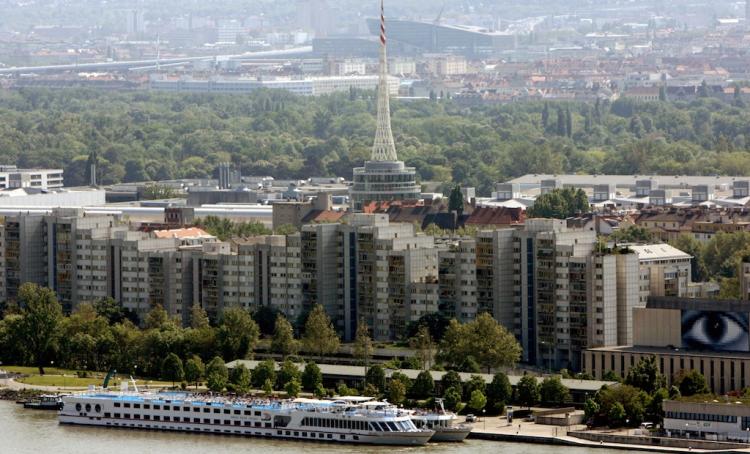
x: 384, y: 177
x: 683, y: 334
x: 12, y: 177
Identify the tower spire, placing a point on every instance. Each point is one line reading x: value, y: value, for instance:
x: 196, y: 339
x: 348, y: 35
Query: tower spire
x: 384, y: 148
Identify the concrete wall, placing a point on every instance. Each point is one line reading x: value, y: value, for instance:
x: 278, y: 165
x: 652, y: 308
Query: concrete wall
x: 657, y: 327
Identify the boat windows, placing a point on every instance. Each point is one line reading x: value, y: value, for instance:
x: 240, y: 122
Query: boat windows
x: 237, y: 412
x: 226, y: 412
x: 207, y: 410
x: 342, y: 436
x: 88, y: 407
x: 157, y: 407
x: 257, y: 413
x: 248, y: 412
x: 208, y: 421
x: 157, y: 418
x: 126, y: 415
x: 117, y: 404
x: 147, y: 407
x: 176, y: 419
x: 98, y: 408
x: 136, y: 405
x: 216, y: 410
x: 237, y: 423
x: 126, y: 405
x: 167, y: 419
x: 117, y: 415
x: 136, y: 416
x: 78, y: 407
x: 166, y: 408
x: 392, y: 426
x: 147, y: 417
x: 197, y: 420
x: 185, y: 408
x: 196, y: 410
x: 257, y: 424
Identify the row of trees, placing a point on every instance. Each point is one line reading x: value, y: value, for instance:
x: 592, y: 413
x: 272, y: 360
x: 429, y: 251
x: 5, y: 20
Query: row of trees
x: 640, y: 395
x: 152, y: 136
x: 102, y: 335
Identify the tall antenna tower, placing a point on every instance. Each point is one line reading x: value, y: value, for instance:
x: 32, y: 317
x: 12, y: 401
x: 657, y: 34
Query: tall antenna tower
x: 384, y: 148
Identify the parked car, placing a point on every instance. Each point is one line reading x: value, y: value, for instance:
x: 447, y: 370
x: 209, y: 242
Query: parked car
x: 471, y: 418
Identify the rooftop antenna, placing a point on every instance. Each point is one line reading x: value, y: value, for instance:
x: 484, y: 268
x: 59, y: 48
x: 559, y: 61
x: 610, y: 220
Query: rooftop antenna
x: 135, y: 386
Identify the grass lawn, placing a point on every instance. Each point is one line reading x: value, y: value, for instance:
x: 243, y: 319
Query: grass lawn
x: 28, y: 370
x: 59, y: 380
x: 74, y: 381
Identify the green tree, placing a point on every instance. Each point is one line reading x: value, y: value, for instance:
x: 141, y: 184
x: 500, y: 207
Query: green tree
x: 158, y: 318
x: 171, y: 369
x: 293, y: 388
x: 363, y: 344
x: 40, y: 322
x: 691, y: 383
x: 423, y: 345
x: 690, y: 245
x: 527, y: 391
x: 484, y: 339
x: 237, y: 334
x: 632, y: 234
x: 376, y: 376
x: 194, y: 370
x: 560, y: 204
x: 268, y: 387
x: 264, y: 371
x: 477, y: 401
x: 645, y: 375
x: 632, y: 399
x: 591, y: 409
x: 239, y: 378
x: 499, y: 392
x: 654, y: 410
x: 311, y: 377
x: 320, y: 337
x: 283, y: 341
x: 476, y: 382
x: 109, y: 309
x: 423, y: 386
x: 456, y: 200
x: 552, y: 391
x: 452, y: 398
x: 451, y: 379
x: 217, y: 374
x: 396, y: 392
x: 616, y: 415
x: 287, y: 372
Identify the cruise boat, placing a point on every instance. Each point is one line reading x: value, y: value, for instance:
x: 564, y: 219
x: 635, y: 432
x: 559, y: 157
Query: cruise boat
x: 337, y: 421
x: 442, y: 422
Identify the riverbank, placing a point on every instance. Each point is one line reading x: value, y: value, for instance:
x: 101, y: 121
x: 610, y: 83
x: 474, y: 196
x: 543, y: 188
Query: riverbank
x: 497, y: 429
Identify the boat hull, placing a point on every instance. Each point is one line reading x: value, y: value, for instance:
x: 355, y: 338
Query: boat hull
x: 451, y: 435
x: 373, y: 438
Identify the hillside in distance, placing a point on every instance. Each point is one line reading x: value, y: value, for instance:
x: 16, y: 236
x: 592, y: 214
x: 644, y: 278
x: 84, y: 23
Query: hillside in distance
x: 154, y: 136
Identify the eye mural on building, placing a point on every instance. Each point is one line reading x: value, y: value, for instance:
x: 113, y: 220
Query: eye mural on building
x: 719, y: 331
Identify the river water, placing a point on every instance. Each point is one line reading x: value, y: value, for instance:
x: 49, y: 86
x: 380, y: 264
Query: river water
x: 37, y: 432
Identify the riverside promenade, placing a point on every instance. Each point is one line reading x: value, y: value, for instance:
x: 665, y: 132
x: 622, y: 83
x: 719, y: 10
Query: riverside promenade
x: 498, y: 429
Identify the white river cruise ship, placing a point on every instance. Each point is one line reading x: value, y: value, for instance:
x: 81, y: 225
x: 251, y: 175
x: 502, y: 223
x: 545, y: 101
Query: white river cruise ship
x: 337, y: 421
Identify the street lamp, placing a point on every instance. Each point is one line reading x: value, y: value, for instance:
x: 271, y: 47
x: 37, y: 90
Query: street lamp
x: 484, y: 420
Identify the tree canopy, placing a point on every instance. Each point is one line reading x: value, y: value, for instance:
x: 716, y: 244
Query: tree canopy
x: 484, y: 339
x: 156, y: 136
